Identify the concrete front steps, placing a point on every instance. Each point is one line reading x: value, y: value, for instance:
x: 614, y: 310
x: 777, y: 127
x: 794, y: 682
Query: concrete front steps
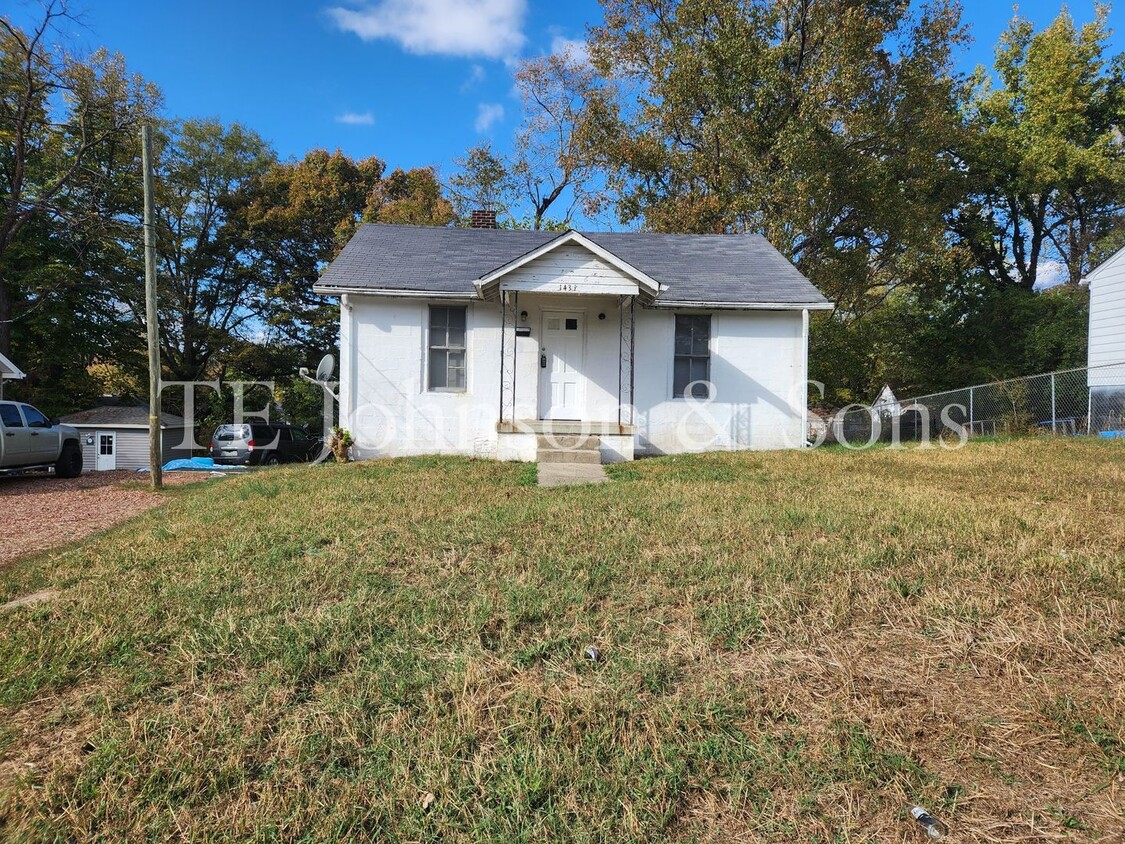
x: 569, y: 448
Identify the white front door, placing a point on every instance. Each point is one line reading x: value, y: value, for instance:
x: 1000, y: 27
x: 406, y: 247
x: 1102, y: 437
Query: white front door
x: 562, y: 386
x: 105, y: 451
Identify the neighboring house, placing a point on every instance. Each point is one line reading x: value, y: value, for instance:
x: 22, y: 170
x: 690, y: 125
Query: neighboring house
x: 477, y: 341
x: 116, y: 437
x: 886, y: 404
x: 8, y: 372
x: 1106, y: 351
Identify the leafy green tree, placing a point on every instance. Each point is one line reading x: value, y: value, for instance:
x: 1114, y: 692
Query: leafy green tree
x: 1046, y: 153
x: 484, y: 181
x: 830, y: 127
x: 68, y: 128
x: 409, y: 197
x: 548, y: 177
x: 211, y: 290
x: 298, y: 216
x: 551, y: 168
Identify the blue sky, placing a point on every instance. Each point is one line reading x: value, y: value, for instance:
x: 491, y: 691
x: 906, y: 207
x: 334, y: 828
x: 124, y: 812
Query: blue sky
x: 415, y: 82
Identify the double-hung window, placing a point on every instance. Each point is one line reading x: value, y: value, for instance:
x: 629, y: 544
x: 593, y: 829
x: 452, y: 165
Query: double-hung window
x: 447, y: 348
x: 692, y: 366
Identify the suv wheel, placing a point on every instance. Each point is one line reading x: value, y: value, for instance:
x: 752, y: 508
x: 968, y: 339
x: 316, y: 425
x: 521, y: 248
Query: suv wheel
x: 272, y: 460
x: 69, y: 464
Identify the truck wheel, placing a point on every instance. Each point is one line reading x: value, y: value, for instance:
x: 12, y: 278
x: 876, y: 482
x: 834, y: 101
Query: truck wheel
x: 69, y: 464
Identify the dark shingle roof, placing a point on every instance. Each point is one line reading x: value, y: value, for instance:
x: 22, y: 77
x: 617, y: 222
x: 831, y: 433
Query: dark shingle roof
x: 727, y: 269
x: 120, y: 415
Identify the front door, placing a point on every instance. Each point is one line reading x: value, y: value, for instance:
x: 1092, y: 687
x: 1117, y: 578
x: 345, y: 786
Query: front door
x: 105, y: 443
x: 562, y: 387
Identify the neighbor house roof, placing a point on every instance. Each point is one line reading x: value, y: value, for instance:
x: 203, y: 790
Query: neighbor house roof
x: 9, y: 370
x: 701, y: 270
x: 120, y: 416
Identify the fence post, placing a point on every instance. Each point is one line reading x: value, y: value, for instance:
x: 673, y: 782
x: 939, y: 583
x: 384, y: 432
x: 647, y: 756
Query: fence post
x: 972, y: 419
x: 1053, y: 414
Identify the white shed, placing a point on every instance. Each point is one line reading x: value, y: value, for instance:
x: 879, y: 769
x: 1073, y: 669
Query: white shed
x: 116, y: 437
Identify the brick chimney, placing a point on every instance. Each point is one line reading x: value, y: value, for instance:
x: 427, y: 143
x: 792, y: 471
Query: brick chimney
x: 484, y: 220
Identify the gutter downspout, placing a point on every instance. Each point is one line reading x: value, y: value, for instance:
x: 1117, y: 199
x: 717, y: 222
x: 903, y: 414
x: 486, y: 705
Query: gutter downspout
x: 805, y: 376
x: 348, y: 385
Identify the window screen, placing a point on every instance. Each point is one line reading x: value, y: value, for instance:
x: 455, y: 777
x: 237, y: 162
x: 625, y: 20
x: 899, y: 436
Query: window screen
x: 692, y: 364
x: 447, y: 348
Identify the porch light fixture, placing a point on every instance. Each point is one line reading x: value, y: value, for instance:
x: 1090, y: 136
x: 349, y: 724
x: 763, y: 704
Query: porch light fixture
x: 601, y: 316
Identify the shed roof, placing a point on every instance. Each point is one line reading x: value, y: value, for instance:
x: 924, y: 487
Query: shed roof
x: 733, y: 270
x: 120, y: 416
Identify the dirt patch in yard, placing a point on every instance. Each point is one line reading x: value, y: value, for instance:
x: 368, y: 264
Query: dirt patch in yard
x: 38, y: 512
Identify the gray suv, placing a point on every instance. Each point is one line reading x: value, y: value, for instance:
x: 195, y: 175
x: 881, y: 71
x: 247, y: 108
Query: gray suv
x: 261, y: 444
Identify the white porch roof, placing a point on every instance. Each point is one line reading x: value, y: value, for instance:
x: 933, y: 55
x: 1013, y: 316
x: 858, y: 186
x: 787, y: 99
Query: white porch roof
x: 629, y: 280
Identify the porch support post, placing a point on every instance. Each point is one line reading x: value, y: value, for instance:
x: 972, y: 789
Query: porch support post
x: 626, y: 328
x: 620, y: 358
x: 632, y: 355
x: 509, y: 311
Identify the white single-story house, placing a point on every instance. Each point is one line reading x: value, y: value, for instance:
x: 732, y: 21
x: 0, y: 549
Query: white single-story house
x: 8, y: 372
x: 489, y: 342
x: 116, y: 437
x: 1106, y: 349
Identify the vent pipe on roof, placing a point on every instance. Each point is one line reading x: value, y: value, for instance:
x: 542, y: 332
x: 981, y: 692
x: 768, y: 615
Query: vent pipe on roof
x: 484, y: 220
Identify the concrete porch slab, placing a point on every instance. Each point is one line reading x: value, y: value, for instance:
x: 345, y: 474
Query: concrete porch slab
x: 565, y: 427
x: 568, y: 474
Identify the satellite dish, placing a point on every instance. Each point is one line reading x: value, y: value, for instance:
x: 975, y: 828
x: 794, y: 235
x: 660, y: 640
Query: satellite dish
x: 326, y: 368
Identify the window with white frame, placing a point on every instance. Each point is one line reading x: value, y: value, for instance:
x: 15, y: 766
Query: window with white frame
x: 692, y: 366
x: 447, y: 348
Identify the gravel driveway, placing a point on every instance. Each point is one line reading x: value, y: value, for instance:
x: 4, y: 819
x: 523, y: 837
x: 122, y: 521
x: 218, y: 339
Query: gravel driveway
x: 39, y: 512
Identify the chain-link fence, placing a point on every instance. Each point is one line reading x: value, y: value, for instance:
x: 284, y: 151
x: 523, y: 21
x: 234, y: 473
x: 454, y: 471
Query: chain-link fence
x: 1086, y: 401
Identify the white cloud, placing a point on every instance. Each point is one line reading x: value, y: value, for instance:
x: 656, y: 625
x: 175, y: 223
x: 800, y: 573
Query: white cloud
x: 1050, y: 274
x: 353, y: 118
x: 489, y: 28
x: 577, y: 47
x: 476, y: 76
x: 488, y: 114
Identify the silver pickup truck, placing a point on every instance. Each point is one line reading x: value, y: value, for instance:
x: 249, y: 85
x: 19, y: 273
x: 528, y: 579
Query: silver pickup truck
x: 29, y: 440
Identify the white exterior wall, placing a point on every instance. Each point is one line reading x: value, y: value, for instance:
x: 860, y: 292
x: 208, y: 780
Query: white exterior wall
x: 1107, y: 322
x: 758, y: 366
x: 758, y: 361
x: 383, y: 395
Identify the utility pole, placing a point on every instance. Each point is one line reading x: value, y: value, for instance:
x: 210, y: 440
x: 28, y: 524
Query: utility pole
x: 151, y: 317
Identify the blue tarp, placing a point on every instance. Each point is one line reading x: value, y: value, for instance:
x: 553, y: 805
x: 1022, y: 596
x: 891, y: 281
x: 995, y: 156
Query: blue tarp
x: 193, y: 464
x: 1112, y: 435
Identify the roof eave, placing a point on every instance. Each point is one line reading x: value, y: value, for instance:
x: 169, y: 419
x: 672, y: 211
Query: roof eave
x: 9, y: 371
x: 391, y: 293
x: 744, y: 306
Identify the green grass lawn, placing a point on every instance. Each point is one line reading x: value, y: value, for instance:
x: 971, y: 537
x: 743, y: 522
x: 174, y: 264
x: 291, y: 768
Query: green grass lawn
x: 795, y: 647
